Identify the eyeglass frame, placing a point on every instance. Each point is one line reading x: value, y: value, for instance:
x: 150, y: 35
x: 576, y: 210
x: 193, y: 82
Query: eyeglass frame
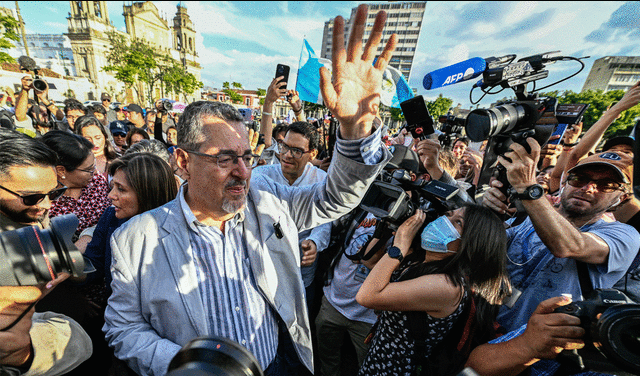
x: 620, y: 187
x: 61, y: 191
x: 292, y: 150
x: 88, y: 171
x: 234, y: 157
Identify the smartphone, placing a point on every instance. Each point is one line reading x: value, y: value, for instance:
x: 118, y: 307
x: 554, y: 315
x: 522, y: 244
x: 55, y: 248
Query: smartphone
x: 283, y: 70
x: 419, y: 121
x: 559, y: 131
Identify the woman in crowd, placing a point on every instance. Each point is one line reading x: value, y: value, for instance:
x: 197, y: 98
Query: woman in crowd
x: 141, y: 182
x: 432, y: 284
x: 86, y: 194
x: 136, y: 135
x: 90, y: 128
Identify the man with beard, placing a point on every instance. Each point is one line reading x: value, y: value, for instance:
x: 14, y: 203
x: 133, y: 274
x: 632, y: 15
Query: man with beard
x: 552, y: 244
x: 223, y: 258
x: 35, y: 343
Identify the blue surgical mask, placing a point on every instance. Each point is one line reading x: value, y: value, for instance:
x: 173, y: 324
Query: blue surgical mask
x: 438, y: 234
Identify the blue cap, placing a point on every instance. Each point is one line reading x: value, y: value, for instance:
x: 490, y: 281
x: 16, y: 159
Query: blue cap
x: 118, y: 127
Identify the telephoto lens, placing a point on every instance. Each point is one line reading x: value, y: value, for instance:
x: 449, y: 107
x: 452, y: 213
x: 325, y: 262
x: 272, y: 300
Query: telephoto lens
x: 484, y: 123
x: 32, y: 256
x: 209, y: 356
x: 167, y: 106
x: 39, y: 85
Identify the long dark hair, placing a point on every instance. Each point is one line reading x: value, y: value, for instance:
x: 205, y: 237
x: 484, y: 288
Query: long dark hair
x: 88, y: 120
x: 481, y: 261
x: 71, y: 149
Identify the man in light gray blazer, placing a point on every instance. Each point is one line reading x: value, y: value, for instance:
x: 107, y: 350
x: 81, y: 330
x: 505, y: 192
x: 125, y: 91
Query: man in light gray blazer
x: 222, y: 258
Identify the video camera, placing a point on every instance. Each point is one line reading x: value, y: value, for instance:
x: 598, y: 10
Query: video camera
x: 28, y: 64
x: 32, y: 256
x: 513, y: 121
x: 451, y: 127
x: 612, y: 324
x: 165, y: 106
x: 387, y: 198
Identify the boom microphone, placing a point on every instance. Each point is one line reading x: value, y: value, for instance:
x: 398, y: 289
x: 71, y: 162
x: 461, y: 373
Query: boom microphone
x: 455, y: 73
x: 27, y: 63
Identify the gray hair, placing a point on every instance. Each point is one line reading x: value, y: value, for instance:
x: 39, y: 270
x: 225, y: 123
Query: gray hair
x: 190, y: 132
x: 154, y: 147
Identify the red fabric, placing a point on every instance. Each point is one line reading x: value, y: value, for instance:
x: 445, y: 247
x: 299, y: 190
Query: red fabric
x: 88, y: 207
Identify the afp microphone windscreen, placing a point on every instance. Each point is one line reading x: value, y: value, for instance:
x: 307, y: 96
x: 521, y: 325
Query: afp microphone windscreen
x: 455, y: 73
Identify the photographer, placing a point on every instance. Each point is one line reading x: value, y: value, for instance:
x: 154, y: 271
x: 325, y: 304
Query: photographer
x: 549, y: 248
x: 42, y: 343
x: 340, y: 314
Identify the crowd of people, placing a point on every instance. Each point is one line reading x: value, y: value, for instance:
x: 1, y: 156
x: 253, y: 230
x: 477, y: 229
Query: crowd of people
x: 197, y: 226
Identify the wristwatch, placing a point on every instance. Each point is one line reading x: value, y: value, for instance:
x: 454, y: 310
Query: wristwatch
x: 532, y: 192
x: 396, y: 253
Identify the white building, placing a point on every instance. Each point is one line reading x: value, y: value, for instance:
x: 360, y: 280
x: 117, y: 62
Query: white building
x: 613, y: 73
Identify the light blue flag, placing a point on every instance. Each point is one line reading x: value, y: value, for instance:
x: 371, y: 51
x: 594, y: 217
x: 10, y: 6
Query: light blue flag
x: 308, y: 81
x: 395, y: 88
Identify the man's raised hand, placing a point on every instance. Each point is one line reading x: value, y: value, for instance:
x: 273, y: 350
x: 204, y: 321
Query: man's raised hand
x: 352, y: 90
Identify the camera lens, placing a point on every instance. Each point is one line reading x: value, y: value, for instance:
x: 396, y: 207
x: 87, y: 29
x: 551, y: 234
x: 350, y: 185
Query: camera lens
x: 168, y: 106
x: 32, y: 256
x: 39, y: 85
x: 484, y: 123
x: 618, y: 331
x: 208, y: 356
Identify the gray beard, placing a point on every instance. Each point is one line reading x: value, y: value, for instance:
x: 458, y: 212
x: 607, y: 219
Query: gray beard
x: 235, y: 206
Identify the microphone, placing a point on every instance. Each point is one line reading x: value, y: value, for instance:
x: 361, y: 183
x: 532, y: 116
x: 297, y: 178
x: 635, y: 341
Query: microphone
x: 27, y: 63
x: 455, y: 73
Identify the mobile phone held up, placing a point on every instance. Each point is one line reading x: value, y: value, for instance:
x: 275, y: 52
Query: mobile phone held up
x: 283, y: 70
x: 558, y: 131
x: 419, y: 121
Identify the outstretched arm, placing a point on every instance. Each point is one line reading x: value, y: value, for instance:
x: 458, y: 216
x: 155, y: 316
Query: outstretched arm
x: 274, y: 91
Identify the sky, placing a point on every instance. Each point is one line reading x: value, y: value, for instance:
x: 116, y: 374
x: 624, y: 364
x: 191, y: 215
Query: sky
x: 244, y: 41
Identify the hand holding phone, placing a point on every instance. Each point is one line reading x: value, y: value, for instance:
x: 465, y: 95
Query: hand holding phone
x: 419, y: 121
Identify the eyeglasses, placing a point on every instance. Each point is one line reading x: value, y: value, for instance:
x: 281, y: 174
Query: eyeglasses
x: 603, y: 185
x: 36, y: 198
x: 106, y: 100
x: 227, y: 160
x: 295, y: 152
x: 89, y: 170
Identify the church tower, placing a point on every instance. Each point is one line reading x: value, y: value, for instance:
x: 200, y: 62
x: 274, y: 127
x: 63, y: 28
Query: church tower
x: 184, y: 35
x: 88, y: 26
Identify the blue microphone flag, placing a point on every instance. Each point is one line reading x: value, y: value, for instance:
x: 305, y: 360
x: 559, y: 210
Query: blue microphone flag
x: 452, y: 74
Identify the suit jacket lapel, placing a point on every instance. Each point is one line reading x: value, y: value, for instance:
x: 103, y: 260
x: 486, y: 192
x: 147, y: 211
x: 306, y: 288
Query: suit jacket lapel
x: 177, y: 247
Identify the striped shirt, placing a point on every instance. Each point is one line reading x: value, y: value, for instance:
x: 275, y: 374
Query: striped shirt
x: 234, y: 306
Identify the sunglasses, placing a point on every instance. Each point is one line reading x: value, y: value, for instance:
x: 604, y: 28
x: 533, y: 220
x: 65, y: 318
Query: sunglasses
x: 603, y: 185
x: 36, y: 198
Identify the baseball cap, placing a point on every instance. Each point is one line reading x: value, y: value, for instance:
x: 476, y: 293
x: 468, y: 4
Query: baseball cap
x: 620, y: 162
x: 620, y: 140
x: 118, y: 127
x: 134, y: 108
x: 404, y: 158
x: 104, y: 96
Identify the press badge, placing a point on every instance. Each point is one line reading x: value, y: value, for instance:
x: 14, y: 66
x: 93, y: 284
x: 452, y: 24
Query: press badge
x: 361, y: 273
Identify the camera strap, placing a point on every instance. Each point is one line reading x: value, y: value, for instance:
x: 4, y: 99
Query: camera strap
x: 583, y: 276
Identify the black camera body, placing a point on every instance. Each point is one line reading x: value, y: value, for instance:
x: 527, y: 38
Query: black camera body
x: 451, y: 127
x: 32, y: 256
x: 166, y: 106
x: 612, y: 324
x: 28, y: 64
x: 387, y: 198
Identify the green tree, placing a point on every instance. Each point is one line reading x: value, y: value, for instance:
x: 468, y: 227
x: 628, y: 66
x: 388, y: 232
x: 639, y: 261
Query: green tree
x: 9, y: 26
x: 137, y: 61
x: 225, y: 85
x: 599, y: 101
x: 233, y: 96
x: 439, y: 106
x: 261, y: 94
x: 236, y: 85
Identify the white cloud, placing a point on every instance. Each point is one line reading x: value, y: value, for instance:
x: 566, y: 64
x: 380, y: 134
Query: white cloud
x: 519, y: 12
x: 458, y: 53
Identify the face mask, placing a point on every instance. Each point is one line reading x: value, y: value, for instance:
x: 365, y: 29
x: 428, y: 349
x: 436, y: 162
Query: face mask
x: 438, y: 234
